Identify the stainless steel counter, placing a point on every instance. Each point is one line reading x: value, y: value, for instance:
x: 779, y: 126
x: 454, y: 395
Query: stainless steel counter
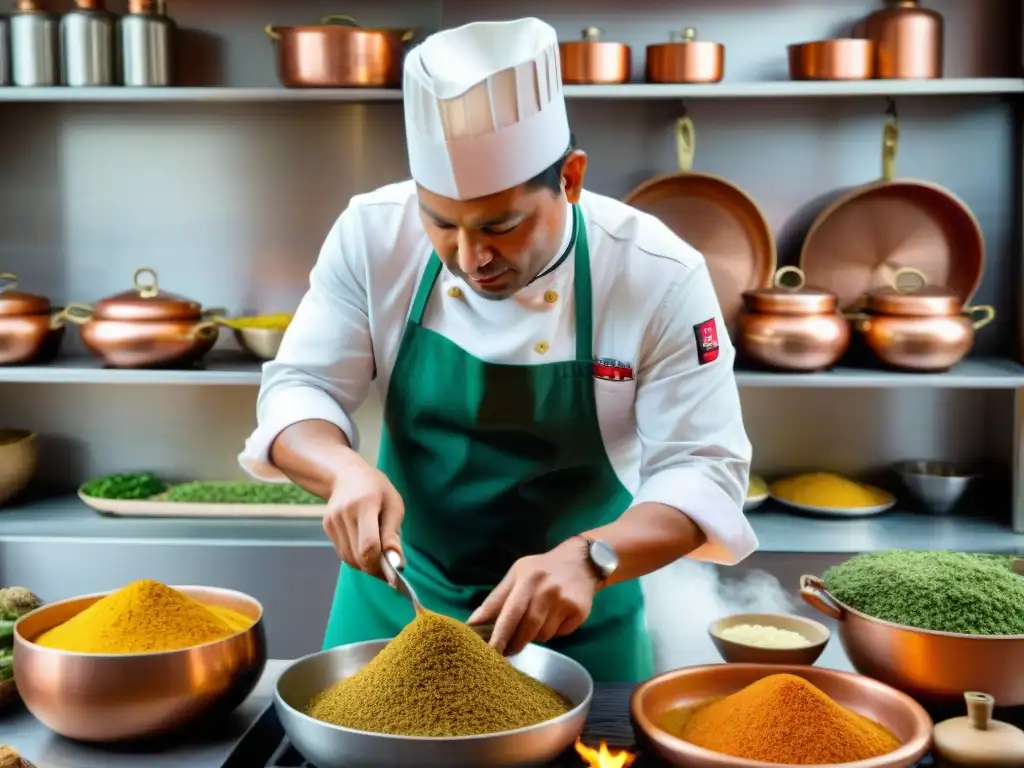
x: 197, y: 748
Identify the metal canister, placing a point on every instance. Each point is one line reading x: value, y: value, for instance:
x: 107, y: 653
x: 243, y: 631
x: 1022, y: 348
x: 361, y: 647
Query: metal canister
x: 908, y: 40
x: 34, y: 45
x: 147, y: 39
x: 87, y: 44
x: 5, y: 51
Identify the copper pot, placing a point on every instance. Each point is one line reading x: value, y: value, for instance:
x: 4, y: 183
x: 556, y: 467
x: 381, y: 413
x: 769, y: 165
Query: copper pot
x: 918, y: 327
x: 841, y: 59
x: 792, y: 327
x: 590, y: 61
x: 338, y: 53
x: 146, y: 327
x: 30, y: 329
x: 908, y: 40
x: 685, y: 60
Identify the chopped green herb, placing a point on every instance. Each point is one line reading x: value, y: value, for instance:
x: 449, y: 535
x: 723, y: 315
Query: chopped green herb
x: 240, y: 493
x: 938, y: 590
x: 132, y: 485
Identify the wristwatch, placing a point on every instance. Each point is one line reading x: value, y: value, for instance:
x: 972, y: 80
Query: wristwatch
x: 602, y: 557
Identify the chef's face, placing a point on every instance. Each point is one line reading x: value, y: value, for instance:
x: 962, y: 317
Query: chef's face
x: 499, y: 243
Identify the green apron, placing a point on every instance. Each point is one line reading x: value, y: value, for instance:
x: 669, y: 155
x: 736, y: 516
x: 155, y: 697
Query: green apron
x: 495, y: 462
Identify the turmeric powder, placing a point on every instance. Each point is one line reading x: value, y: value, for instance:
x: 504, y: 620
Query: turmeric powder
x: 144, y: 617
x: 823, y: 489
x: 784, y: 719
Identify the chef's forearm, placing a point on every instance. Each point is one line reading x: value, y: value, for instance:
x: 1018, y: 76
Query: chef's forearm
x: 647, y: 537
x: 312, y: 454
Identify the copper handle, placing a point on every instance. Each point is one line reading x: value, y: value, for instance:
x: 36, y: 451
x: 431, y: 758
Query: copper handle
x: 987, y: 312
x: 591, y: 34
x: 686, y: 143
x: 917, y: 274
x: 812, y: 590
x: 57, y: 319
x: 783, y: 272
x: 272, y: 32
x: 203, y: 330
x: 79, y: 314
x: 8, y: 281
x: 890, y: 147
x: 340, y: 18
x: 214, y: 313
x: 147, y: 290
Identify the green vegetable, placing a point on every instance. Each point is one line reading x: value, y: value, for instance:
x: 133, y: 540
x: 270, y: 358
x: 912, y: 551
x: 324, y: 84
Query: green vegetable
x: 6, y: 666
x: 240, y: 493
x: 132, y: 485
x: 15, y: 602
x: 938, y: 590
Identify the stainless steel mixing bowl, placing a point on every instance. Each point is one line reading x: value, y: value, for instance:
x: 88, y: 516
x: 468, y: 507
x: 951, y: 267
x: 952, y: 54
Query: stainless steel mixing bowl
x: 116, y: 697
x: 330, y: 746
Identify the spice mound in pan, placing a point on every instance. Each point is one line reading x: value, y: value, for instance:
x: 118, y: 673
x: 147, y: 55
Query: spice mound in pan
x: 437, y: 678
x: 144, y: 617
x: 938, y: 590
x: 784, y: 719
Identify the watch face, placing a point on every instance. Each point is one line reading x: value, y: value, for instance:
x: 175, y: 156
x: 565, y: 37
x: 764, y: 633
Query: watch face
x: 604, y: 557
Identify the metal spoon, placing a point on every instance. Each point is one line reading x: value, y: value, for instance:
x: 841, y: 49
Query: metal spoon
x: 391, y: 565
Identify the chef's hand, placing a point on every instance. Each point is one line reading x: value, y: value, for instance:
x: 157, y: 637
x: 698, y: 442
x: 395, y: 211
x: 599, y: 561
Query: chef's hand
x: 541, y: 597
x: 364, y: 516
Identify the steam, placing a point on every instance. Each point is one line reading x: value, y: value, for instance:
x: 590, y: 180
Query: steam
x: 685, y: 597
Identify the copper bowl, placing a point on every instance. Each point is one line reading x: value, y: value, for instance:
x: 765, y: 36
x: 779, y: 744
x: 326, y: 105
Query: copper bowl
x: 841, y: 59
x: 592, y: 62
x: 655, y: 702
x: 120, y: 697
x: 930, y: 666
x: 816, y: 633
x: 685, y: 59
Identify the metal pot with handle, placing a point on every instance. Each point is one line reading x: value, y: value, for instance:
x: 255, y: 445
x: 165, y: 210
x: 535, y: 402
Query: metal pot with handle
x: 146, y: 327
x: 30, y: 328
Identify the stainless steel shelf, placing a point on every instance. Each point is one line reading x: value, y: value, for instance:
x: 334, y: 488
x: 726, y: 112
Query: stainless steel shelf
x: 775, y: 89
x: 234, y: 370
x: 67, y: 518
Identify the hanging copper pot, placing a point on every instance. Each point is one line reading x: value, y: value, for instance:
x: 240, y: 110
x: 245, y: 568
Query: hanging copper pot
x: 685, y: 59
x: 840, y: 59
x: 591, y: 62
x: 914, y: 326
x: 30, y: 329
x: 792, y: 326
x: 146, y: 327
x: 908, y: 40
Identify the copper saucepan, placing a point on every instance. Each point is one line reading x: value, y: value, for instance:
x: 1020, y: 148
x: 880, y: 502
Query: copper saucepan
x: 685, y: 59
x: 591, y: 61
x: 338, y: 53
x: 840, y: 59
x: 718, y: 219
x: 146, y: 327
x: 30, y: 328
x: 856, y: 244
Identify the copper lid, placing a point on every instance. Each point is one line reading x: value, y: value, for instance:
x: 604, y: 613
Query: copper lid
x: 14, y: 303
x: 909, y: 295
x: 147, y: 302
x: 795, y: 298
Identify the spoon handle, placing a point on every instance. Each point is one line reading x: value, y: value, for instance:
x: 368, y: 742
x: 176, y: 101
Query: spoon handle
x: 391, y: 565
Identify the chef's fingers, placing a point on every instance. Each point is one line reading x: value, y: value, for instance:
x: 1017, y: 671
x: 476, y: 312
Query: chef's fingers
x: 334, y: 527
x: 367, y: 538
x: 391, y: 516
x: 554, y: 622
x: 531, y: 623
x: 512, y: 613
x: 570, y: 624
x: 492, y: 605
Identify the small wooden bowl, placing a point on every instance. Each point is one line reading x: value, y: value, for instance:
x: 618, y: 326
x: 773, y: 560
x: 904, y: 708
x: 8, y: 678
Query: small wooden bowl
x: 740, y: 653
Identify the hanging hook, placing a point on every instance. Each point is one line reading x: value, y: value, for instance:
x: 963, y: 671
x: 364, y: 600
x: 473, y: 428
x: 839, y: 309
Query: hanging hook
x: 890, y: 108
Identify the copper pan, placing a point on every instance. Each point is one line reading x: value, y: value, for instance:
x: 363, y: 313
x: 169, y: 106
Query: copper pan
x: 685, y: 59
x: 590, y: 61
x: 841, y: 59
x: 859, y: 241
x: 659, y: 708
x: 338, y: 53
x: 718, y: 219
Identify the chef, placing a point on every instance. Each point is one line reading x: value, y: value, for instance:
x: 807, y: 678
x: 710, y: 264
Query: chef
x: 560, y: 412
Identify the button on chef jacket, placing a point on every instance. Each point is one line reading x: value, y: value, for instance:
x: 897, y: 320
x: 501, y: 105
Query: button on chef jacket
x: 674, y: 432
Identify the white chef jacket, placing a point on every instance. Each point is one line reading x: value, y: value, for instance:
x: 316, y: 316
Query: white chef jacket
x: 674, y: 433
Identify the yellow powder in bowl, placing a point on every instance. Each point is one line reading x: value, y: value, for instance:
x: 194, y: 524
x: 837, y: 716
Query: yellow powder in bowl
x: 144, y: 617
x: 824, y: 489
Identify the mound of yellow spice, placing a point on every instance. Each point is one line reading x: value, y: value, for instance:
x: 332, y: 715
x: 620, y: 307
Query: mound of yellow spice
x: 437, y: 678
x: 831, y: 491
x: 144, y: 617
x: 784, y: 719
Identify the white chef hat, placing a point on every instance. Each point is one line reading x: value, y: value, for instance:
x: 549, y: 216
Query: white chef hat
x: 484, y: 107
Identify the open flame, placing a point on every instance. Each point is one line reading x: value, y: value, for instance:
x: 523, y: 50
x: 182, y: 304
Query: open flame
x: 602, y: 757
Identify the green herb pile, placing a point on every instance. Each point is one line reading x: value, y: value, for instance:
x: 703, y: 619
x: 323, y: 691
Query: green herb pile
x: 240, y: 493
x: 15, y: 602
x: 938, y: 590
x: 131, y: 485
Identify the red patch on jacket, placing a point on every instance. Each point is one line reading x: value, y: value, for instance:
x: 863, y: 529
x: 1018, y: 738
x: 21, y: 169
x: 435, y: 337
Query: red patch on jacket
x: 706, y: 334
